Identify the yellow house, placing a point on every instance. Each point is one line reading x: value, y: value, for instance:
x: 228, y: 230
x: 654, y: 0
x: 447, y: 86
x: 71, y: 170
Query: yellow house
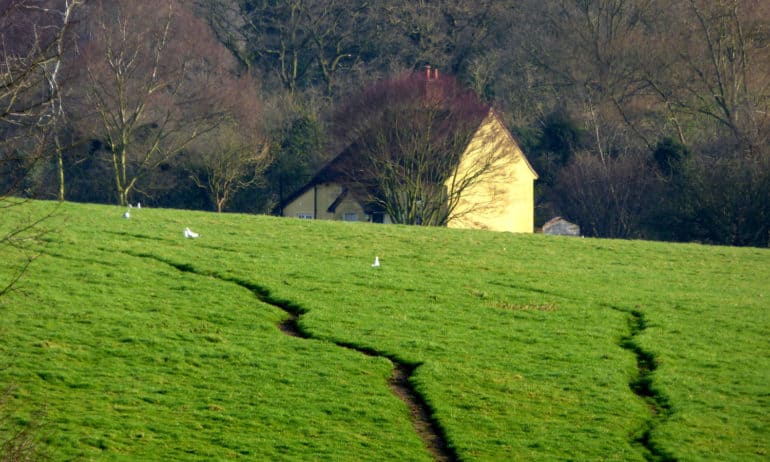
x: 500, y: 197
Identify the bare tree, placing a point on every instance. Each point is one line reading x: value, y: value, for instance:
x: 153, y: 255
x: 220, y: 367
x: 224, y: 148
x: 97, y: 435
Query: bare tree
x: 229, y: 164
x: 450, y: 34
x: 593, y: 54
x: 152, y: 93
x: 31, y: 48
x: 235, y: 155
x: 301, y: 42
x: 54, y: 82
x: 607, y: 196
x: 407, y: 137
x: 717, y: 69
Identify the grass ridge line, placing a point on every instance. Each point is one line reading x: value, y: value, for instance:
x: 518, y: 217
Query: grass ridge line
x: 422, y: 413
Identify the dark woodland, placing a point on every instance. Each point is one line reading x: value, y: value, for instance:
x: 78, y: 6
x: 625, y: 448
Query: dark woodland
x: 643, y: 118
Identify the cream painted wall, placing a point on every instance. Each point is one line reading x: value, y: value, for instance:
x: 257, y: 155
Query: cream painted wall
x: 504, y: 199
x: 349, y: 206
x: 315, y: 202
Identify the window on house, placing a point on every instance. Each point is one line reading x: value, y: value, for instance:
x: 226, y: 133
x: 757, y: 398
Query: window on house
x: 305, y: 216
x: 350, y: 216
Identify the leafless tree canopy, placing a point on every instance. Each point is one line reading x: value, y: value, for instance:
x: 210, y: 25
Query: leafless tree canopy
x: 405, y: 137
x: 32, y: 38
x: 233, y: 156
x: 31, y: 47
x: 151, y: 93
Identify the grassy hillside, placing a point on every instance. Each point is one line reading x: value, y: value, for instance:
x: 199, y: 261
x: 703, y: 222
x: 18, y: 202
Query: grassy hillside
x: 129, y: 342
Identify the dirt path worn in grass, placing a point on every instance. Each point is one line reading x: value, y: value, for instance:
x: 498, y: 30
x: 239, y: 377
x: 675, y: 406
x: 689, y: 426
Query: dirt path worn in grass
x: 641, y: 385
x: 422, y: 418
x: 425, y: 425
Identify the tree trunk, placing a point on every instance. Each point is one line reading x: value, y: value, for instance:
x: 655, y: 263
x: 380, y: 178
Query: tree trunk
x: 60, y: 163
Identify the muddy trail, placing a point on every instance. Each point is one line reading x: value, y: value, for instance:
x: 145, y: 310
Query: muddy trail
x: 425, y: 425
x: 642, y: 386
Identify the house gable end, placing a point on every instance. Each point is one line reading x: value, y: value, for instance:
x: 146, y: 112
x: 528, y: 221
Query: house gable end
x: 502, y: 198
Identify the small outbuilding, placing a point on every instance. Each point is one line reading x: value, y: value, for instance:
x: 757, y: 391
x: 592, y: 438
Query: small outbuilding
x: 558, y: 226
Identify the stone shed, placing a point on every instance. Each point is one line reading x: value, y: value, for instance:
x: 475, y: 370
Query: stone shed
x: 558, y: 226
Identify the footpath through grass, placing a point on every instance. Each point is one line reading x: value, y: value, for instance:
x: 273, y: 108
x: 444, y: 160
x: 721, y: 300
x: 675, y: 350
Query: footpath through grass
x: 529, y: 347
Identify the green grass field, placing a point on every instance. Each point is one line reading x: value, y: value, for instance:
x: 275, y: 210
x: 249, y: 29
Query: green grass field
x: 126, y: 341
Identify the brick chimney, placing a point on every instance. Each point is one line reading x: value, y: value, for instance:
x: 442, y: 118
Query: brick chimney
x: 430, y: 73
x: 432, y: 92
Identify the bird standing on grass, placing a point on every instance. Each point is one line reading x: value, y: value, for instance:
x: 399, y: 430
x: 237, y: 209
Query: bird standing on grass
x: 376, y: 263
x: 190, y: 234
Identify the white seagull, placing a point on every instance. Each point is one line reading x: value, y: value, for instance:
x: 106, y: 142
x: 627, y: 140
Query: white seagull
x: 376, y: 263
x: 127, y: 214
x: 189, y: 234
